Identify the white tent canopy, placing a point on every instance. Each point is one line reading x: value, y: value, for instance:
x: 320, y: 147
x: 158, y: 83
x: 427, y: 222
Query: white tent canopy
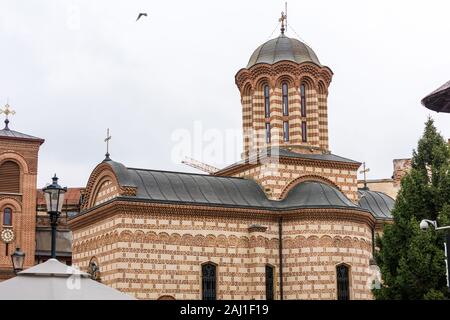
x: 53, y: 280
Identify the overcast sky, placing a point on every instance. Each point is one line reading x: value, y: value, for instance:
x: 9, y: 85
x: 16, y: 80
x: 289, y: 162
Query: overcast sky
x: 71, y: 69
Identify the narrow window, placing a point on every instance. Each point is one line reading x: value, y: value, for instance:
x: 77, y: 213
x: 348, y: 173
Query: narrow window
x: 267, y: 101
x: 285, y: 99
x: 7, y: 217
x: 303, y: 100
x: 267, y: 132
x: 269, y: 283
x: 304, y: 132
x: 286, y: 131
x: 343, y: 285
x: 209, y: 281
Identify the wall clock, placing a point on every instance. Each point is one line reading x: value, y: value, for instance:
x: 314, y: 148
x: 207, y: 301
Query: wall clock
x: 7, y: 235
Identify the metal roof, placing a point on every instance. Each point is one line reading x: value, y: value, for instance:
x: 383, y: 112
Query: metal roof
x: 379, y: 203
x: 439, y: 99
x: 200, y: 189
x: 8, y: 133
x: 53, y: 280
x: 315, y: 194
x: 283, y: 48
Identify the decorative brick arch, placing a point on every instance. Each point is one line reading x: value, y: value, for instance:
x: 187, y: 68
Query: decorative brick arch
x: 17, y: 158
x: 304, y: 178
x: 6, y: 202
x: 101, y: 173
x: 10, y: 202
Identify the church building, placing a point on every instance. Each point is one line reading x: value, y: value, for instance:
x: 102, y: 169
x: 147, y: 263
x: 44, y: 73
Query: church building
x: 288, y: 221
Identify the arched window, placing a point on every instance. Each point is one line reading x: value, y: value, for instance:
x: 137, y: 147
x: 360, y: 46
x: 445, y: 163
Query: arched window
x: 10, y: 177
x: 209, y: 281
x: 286, y: 131
x: 303, y: 100
x: 269, y: 282
x: 304, y: 132
x: 7, y: 217
x: 284, y: 90
x: 267, y: 101
x: 343, y: 282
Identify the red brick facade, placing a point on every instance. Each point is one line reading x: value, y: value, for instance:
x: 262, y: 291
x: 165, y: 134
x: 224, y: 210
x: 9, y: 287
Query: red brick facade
x: 23, y: 152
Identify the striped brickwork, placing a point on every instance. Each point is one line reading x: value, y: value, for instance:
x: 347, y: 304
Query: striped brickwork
x: 151, y: 251
x: 251, y: 83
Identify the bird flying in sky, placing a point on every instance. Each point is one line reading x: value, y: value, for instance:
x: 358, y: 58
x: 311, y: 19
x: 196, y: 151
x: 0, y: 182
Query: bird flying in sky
x: 140, y: 15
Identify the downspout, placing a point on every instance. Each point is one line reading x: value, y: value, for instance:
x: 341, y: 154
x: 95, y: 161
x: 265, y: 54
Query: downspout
x: 280, y: 253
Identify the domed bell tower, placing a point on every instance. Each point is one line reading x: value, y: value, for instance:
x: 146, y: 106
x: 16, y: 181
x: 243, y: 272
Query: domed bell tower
x: 284, y: 91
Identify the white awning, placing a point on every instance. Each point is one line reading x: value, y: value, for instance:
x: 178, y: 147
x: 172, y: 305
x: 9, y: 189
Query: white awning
x: 53, y: 280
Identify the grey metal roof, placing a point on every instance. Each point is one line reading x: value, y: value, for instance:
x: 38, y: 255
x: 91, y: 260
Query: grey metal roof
x: 439, y: 99
x: 200, y: 189
x: 379, y: 203
x: 283, y: 48
x: 322, y: 157
x: 315, y: 194
x: 8, y: 133
x: 53, y: 280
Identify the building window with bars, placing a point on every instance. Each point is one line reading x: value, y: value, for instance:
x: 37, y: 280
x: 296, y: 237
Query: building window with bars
x: 209, y: 281
x: 303, y: 100
x: 343, y: 282
x: 269, y: 282
x: 267, y: 132
x: 267, y: 101
x: 284, y: 90
x: 304, y: 132
x: 7, y: 217
x: 286, y: 131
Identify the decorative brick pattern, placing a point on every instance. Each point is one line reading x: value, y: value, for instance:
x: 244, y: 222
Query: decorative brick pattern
x: 275, y: 177
x: 150, y: 251
x: 251, y: 83
x: 25, y: 154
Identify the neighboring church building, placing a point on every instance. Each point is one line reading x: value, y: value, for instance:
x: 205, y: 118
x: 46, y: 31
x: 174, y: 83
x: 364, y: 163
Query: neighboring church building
x: 23, y: 217
x: 285, y: 222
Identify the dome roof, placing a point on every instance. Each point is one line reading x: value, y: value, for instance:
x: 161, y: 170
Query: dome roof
x: 379, y: 203
x: 316, y: 195
x: 283, y: 48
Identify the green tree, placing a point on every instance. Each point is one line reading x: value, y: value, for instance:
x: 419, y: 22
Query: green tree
x: 412, y: 261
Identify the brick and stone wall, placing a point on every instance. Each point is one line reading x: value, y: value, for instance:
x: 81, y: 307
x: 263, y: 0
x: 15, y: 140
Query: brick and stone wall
x: 277, y: 177
x: 251, y: 84
x: 151, y: 251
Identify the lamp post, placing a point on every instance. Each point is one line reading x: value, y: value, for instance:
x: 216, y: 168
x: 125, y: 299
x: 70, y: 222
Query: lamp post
x: 18, y: 258
x: 54, y: 198
x: 424, y: 225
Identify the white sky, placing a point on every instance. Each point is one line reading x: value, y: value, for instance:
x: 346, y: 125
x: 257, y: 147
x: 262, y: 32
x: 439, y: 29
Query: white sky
x: 73, y: 68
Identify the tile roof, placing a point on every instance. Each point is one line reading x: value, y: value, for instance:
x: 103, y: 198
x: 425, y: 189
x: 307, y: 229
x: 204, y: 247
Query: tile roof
x: 72, y: 196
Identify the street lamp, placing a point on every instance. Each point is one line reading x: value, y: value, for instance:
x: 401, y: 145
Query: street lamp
x: 424, y: 225
x: 18, y: 258
x: 54, y: 198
